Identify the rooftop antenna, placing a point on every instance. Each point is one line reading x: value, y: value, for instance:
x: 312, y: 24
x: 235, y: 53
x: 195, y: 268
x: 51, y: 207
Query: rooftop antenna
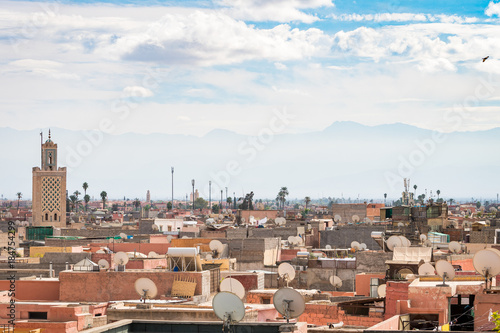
x: 487, y: 263
x: 445, y: 270
x: 286, y: 272
x: 289, y: 303
x: 146, y: 288
x: 229, y: 308
x: 233, y: 286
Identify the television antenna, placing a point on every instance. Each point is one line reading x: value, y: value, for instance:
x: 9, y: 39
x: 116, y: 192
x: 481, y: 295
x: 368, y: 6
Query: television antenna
x: 146, y: 288
x: 487, y: 263
x: 229, y: 308
x: 103, y: 263
x: 426, y: 269
x: 455, y: 247
x: 216, y: 247
x: 381, y: 290
x: 446, y: 271
x: 233, y: 286
x: 289, y: 303
x: 286, y: 272
x: 335, y: 281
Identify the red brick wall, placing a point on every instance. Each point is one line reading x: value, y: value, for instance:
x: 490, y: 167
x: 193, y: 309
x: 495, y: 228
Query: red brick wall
x: 395, y: 290
x: 111, y: 286
x: 323, y: 314
x: 363, y: 282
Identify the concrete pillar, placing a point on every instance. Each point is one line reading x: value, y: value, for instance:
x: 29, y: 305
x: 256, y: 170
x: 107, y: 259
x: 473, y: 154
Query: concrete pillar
x: 50, y: 270
x: 67, y: 266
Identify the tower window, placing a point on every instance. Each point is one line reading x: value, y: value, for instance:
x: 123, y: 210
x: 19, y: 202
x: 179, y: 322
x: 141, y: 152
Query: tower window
x: 55, y: 216
x: 46, y: 216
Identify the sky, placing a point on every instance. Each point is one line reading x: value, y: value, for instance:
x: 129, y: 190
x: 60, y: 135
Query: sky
x: 192, y: 67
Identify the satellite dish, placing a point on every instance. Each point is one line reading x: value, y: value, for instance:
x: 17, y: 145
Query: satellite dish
x: 335, y: 281
x: 103, y: 263
x: 355, y: 245
x: 289, y: 303
x: 121, y: 258
x: 445, y: 270
x: 228, y: 307
x: 428, y: 243
x: 221, y: 217
x: 286, y: 272
x: 146, y: 288
x: 153, y: 254
x: 394, y: 241
x: 154, y: 227
x: 401, y: 224
x: 381, y: 290
x: 217, y: 247
x: 298, y: 240
x: 355, y: 218
x: 243, y: 220
x: 487, y: 262
x: 337, y: 218
x: 455, y: 247
x: 405, y: 241
x: 169, y: 238
x: 233, y: 286
x: 426, y: 269
x: 280, y: 221
x: 328, y: 247
x: 101, y: 251
x: 362, y: 246
x: 208, y: 257
x: 123, y: 235
x: 423, y: 237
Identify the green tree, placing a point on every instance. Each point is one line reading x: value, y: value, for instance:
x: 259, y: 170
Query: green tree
x: 385, y: 197
x: 85, y: 186
x: 86, y: 198
x: 496, y: 320
x: 77, y: 193
x: 451, y: 201
x: 19, y: 196
x: 478, y: 204
x: 229, y: 201
x: 415, y: 188
x: 104, y: 197
x: 73, y: 199
x: 137, y: 204
x: 282, y: 196
x: 169, y: 205
x: 296, y: 206
x: 215, y: 208
x: 438, y: 193
x: 307, y: 200
x: 200, y: 203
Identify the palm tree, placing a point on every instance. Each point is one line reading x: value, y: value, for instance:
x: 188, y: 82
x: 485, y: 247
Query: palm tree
x: 137, y: 203
x: 86, y: 198
x: 104, y: 196
x: 85, y: 187
x: 229, y: 201
x: 385, y: 197
x: 282, y: 196
x: 73, y: 201
x: 415, y: 188
x: 307, y: 200
x: 77, y: 193
x: 19, y: 196
x: 438, y: 193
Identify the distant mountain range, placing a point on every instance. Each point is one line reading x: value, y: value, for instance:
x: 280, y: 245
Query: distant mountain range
x: 345, y: 159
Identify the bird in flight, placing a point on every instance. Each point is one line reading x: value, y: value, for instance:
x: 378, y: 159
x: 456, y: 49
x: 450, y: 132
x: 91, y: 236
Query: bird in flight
x: 484, y: 59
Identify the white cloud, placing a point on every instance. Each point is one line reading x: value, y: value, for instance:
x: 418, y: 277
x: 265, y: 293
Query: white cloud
x: 493, y: 9
x: 404, y: 17
x: 275, y: 11
x: 137, y: 91
x: 46, y: 68
x: 280, y: 66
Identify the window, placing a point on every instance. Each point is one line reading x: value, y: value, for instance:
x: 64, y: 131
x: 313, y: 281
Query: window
x: 37, y: 315
x: 46, y: 216
x: 55, y: 216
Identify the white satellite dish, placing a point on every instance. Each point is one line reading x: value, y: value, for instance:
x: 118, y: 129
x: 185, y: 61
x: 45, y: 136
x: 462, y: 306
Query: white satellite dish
x: 208, y: 257
x: 328, y: 247
x: 423, y: 237
x: 394, y: 241
x: 362, y: 246
x: 426, y: 269
x: 153, y: 254
x: 221, y: 217
x: 428, y: 243
x: 103, y: 263
x: 234, y: 286
x: 217, y: 247
x: 335, y: 281
x: 243, y: 220
x: 401, y: 224
x: 101, y: 251
x: 280, y: 221
x: 121, y: 258
x: 146, y: 288
x: 405, y: 241
x: 228, y: 307
x: 286, y: 272
x: 381, y: 290
x: 355, y: 245
x: 355, y: 218
x: 445, y: 270
x: 154, y: 227
x: 169, y: 238
x: 337, y: 218
x: 289, y: 303
x: 455, y: 247
x: 298, y: 240
x: 487, y: 262
x: 123, y: 235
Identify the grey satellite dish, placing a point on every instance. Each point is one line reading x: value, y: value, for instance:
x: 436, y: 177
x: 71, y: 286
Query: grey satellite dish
x: 233, y: 286
x: 355, y: 245
x: 381, y: 290
x: 362, y: 246
x: 217, y: 247
x: 446, y: 271
x: 123, y: 235
x: 146, y: 288
x: 208, y: 257
x: 101, y: 251
x: 229, y: 308
x: 154, y: 227
x: 328, y: 247
x: 428, y: 243
x: 286, y: 272
x: 335, y: 281
x: 404, y: 241
x: 401, y: 224
x: 355, y: 218
x: 243, y: 220
x: 337, y: 218
x: 487, y: 263
x: 289, y: 303
x: 103, y: 263
x: 426, y: 269
x: 455, y: 247
x: 423, y: 237
x: 121, y: 258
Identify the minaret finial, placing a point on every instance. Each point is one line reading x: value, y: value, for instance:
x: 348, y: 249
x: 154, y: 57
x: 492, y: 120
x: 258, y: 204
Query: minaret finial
x: 49, y: 133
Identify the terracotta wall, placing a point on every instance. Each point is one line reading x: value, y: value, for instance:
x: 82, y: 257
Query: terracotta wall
x: 395, y: 290
x: 160, y: 248
x: 110, y: 286
x: 363, y: 282
x: 34, y: 290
